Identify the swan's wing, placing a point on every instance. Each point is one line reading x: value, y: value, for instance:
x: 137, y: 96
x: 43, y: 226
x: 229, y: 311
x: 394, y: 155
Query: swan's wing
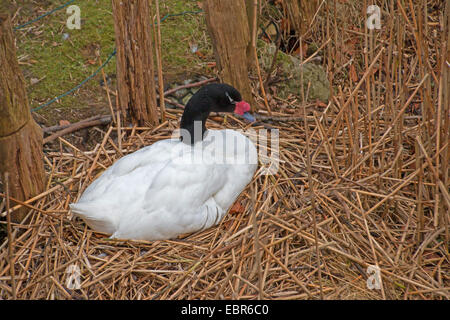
x: 180, y: 185
x: 125, y: 166
x: 179, y: 200
x: 124, y: 182
x: 158, y: 152
x: 186, y: 195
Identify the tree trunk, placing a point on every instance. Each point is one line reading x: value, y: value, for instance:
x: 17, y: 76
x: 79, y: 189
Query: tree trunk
x: 20, y: 137
x: 228, y: 27
x: 250, y: 5
x: 301, y: 13
x: 135, y: 67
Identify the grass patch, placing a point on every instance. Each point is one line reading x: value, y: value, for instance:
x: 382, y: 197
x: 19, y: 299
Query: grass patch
x: 55, y: 59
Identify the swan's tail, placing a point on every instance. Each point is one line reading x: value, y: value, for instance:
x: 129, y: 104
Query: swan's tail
x: 94, y: 216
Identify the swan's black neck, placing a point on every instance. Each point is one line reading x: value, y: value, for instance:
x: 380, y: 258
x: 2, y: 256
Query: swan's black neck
x: 193, y: 125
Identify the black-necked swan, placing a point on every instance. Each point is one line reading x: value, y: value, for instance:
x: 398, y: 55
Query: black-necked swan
x: 175, y: 186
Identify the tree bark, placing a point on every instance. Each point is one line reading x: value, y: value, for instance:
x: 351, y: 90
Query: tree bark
x: 301, y: 13
x: 20, y: 137
x: 251, y: 19
x: 228, y: 27
x: 135, y: 66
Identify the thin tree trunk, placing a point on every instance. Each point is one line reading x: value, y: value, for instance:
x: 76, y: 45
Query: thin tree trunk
x: 228, y: 27
x: 135, y: 67
x: 301, y: 14
x: 251, y: 18
x: 20, y: 137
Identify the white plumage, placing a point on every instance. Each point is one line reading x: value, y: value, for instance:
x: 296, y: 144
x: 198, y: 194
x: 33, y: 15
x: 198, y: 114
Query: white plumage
x: 170, y: 187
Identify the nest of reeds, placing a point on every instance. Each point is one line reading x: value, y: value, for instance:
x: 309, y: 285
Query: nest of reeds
x: 311, y: 230
x: 357, y: 208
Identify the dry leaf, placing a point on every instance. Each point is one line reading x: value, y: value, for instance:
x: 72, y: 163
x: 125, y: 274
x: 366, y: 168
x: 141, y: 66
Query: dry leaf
x: 285, y: 25
x: 34, y: 80
x: 200, y: 55
x: 353, y: 74
x: 304, y: 50
x: 321, y: 104
x: 236, y: 208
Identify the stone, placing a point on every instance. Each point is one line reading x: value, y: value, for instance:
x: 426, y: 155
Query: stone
x: 319, y: 87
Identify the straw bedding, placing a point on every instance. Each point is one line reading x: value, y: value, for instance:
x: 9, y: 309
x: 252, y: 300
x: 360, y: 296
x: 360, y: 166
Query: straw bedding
x: 291, y: 235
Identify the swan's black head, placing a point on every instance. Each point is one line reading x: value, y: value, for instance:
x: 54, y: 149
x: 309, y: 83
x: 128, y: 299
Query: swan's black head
x: 215, y: 97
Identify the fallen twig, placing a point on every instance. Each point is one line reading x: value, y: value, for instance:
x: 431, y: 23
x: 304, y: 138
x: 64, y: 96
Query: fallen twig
x: 189, y: 85
x: 78, y: 126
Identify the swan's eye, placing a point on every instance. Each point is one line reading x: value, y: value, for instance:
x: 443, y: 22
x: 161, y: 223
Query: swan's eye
x: 229, y: 98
